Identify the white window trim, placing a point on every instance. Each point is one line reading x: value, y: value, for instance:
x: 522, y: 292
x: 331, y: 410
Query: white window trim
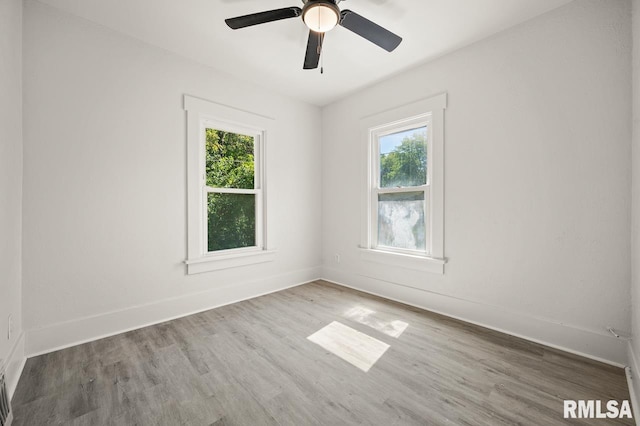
x: 433, y: 108
x: 203, y: 114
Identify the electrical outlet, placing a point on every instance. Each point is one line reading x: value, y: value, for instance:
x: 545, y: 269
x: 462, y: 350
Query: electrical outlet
x: 9, y: 327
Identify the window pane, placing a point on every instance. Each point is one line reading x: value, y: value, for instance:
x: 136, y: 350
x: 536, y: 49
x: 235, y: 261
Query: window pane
x: 401, y: 220
x: 229, y: 161
x: 232, y: 221
x: 403, y: 158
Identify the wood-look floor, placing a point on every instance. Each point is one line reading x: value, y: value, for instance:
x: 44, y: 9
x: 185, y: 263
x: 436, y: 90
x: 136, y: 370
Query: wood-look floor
x: 251, y: 364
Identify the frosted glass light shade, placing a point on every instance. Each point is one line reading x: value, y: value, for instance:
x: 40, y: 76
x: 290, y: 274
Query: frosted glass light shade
x: 321, y: 17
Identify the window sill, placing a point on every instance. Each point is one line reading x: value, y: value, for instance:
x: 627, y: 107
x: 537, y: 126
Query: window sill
x: 215, y: 262
x: 419, y: 263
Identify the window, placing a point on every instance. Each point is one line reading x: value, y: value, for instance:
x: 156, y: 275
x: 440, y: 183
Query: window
x: 227, y: 204
x: 400, y: 198
x: 404, y: 185
x: 232, y: 188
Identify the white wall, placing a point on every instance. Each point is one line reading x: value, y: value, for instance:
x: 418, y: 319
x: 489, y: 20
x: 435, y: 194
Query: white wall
x: 634, y: 352
x: 537, y: 181
x: 11, y: 350
x: 105, y: 183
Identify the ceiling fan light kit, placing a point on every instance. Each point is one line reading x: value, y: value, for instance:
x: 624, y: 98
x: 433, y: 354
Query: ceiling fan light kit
x: 321, y: 16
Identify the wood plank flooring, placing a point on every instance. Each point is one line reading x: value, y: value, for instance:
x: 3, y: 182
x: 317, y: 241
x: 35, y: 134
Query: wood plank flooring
x: 251, y: 363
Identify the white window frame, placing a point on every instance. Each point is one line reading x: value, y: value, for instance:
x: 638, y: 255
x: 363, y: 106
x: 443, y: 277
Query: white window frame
x: 429, y: 112
x: 423, y: 120
x: 258, y: 136
x: 201, y: 115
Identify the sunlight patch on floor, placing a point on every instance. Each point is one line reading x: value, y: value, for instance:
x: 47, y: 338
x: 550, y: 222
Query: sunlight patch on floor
x: 358, y: 349
x: 377, y: 320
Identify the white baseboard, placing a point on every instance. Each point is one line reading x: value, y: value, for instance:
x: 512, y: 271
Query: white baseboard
x: 587, y: 343
x: 15, y: 364
x: 633, y: 381
x: 70, y: 333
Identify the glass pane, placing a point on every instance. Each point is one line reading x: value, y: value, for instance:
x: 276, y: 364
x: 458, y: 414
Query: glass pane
x: 232, y: 221
x: 229, y: 161
x: 401, y: 220
x: 403, y: 158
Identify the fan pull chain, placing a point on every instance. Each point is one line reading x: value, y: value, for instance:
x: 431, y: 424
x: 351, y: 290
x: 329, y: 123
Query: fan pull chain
x: 320, y: 42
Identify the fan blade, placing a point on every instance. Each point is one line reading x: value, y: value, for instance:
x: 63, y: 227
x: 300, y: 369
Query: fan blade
x: 369, y: 30
x: 314, y: 48
x: 263, y: 17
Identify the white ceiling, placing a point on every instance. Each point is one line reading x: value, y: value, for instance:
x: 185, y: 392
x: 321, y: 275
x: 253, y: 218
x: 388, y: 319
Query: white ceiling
x: 271, y: 55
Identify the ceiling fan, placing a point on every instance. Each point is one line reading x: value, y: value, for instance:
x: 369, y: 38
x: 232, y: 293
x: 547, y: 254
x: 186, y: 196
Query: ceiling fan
x: 321, y: 16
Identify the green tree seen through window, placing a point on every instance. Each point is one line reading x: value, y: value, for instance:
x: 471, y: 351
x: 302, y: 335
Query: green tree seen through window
x: 406, y: 164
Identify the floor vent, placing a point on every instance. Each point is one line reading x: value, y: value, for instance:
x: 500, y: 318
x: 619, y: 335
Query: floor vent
x: 6, y: 416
